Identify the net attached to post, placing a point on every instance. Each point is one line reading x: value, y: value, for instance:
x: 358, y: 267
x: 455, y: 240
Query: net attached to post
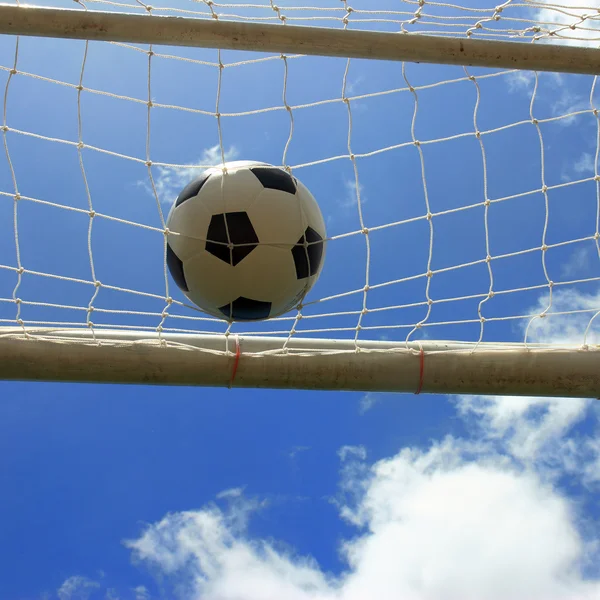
x: 462, y: 203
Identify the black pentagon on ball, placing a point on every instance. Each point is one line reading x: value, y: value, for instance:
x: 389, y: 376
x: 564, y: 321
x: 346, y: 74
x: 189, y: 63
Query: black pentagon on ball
x: 176, y: 269
x: 307, y: 258
x: 246, y: 309
x: 235, y: 228
x: 192, y: 189
x: 273, y: 178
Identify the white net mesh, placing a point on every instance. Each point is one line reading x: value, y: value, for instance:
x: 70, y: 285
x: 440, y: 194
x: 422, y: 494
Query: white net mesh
x: 461, y: 204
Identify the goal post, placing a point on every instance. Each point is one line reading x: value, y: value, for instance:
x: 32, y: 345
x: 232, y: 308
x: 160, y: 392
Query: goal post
x: 309, y: 364
x: 455, y: 152
x: 320, y: 41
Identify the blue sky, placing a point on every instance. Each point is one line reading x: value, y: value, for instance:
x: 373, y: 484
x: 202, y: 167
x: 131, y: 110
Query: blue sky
x: 114, y: 492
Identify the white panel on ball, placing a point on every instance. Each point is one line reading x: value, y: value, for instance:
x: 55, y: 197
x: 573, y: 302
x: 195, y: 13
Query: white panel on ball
x: 251, y: 241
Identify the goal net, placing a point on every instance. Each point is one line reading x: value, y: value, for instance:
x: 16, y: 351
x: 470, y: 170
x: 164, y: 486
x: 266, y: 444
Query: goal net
x: 462, y: 203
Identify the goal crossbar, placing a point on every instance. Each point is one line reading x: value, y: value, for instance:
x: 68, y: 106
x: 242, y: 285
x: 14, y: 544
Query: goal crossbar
x: 257, y: 37
x: 114, y: 356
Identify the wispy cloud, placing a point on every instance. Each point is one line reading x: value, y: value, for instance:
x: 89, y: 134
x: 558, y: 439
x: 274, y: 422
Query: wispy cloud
x: 141, y: 593
x: 235, y: 492
x: 520, y: 80
x: 77, y: 587
x: 578, y: 262
x: 350, y: 196
x: 169, y: 181
x: 297, y: 450
x: 584, y: 164
x: 346, y: 452
x: 367, y: 402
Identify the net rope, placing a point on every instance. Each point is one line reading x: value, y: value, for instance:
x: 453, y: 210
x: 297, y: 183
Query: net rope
x: 400, y: 304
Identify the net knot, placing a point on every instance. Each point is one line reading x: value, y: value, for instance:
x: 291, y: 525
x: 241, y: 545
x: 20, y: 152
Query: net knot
x: 92, y: 214
x: 148, y: 163
x: 13, y: 71
x: 365, y: 230
x: 20, y: 270
x: 18, y: 300
x: 97, y: 284
x: 17, y: 197
x: 159, y: 328
x: 169, y: 300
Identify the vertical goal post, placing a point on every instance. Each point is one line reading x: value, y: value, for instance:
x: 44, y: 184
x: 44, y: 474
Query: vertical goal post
x: 86, y: 353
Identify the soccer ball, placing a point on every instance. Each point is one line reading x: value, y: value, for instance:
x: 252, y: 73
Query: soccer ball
x: 245, y: 242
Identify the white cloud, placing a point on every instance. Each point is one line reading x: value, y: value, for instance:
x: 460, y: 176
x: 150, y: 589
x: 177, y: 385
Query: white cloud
x: 297, y: 450
x: 565, y: 14
x: 584, y: 164
x: 578, y: 262
x: 346, y: 452
x: 169, y: 181
x: 231, y: 493
x: 367, y: 402
x: 520, y: 80
x: 350, y: 196
x: 430, y: 524
x: 566, y: 329
x: 567, y: 101
x: 141, y: 593
x: 77, y: 587
x: 528, y: 427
